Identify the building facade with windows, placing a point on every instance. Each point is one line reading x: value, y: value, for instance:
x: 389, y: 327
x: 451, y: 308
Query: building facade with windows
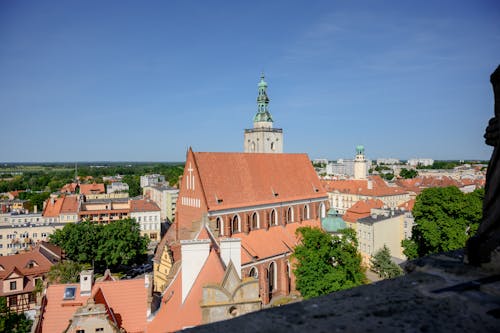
x: 165, y: 197
x: 20, y: 274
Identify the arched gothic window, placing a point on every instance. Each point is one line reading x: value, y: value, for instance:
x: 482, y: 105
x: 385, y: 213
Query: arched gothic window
x: 255, y: 221
x: 306, y: 212
x: 289, y: 215
x: 274, y: 217
x: 235, y: 224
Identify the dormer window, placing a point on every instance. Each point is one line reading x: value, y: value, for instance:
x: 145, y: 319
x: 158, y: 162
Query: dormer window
x: 31, y: 264
x: 13, y: 285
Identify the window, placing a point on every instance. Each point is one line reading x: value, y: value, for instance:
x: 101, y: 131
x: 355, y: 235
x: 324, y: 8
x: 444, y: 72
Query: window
x: 255, y: 221
x: 406, y: 224
x: 69, y: 292
x: 80, y: 331
x: 13, y: 285
x: 306, y: 212
x: 235, y: 224
x: 100, y: 329
x: 274, y: 217
x: 322, y: 210
x: 31, y: 298
x: 253, y: 273
x: 289, y: 215
x: 13, y: 300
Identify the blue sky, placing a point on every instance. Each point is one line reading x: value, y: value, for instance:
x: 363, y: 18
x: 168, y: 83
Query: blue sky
x: 144, y: 80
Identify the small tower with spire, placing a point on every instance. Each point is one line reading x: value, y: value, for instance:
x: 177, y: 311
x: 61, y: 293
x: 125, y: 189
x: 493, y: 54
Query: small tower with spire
x: 263, y: 138
x: 360, y: 163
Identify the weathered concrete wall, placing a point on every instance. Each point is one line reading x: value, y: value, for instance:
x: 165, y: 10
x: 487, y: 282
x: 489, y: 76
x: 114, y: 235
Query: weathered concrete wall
x: 412, y: 303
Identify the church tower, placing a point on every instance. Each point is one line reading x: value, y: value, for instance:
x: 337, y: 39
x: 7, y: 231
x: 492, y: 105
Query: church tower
x: 360, y: 163
x: 263, y: 138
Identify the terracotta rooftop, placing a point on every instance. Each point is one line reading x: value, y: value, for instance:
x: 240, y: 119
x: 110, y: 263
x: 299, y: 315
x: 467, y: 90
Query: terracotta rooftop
x: 64, y: 204
x: 408, y: 205
x: 130, y: 307
x: 143, y: 205
x: 70, y: 204
x: 69, y: 188
x: 360, y: 186
x: 260, y: 244
x: 20, y: 263
x: 361, y: 209
x: 241, y: 179
x: 93, y: 188
x: 53, y: 207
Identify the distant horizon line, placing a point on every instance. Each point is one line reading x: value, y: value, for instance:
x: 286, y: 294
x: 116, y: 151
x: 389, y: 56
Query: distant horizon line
x: 178, y: 162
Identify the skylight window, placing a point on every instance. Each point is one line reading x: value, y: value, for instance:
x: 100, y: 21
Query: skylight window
x: 69, y: 292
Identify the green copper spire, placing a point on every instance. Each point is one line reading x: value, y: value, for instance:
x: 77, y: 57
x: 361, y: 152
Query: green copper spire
x: 263, y: 113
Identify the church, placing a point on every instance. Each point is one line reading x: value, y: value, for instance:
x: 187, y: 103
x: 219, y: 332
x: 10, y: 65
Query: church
x: 244, y: 208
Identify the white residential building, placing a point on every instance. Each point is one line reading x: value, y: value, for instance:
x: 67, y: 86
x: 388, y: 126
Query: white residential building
x: 151, y: 180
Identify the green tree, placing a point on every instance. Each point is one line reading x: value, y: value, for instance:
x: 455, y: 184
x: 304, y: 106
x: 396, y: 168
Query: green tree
x: 325, y: 264
x: 13, y: 322
x: 80, y: 241
x: 65, y: 272
x: 121, y: 243
x: 134, y: 185
x: 445, y: 218
x: 407, y: 174
x: 382, y: 264
x: 387, y: 176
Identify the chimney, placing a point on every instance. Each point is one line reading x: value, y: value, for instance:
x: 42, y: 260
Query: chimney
x: 194, y: 253
x: 35, y: 209
x: 370, y: 184
x: 230, y: 250
x: 86, y: 281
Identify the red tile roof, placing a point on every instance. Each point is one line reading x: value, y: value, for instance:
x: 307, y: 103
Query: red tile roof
x: 243, y: 179
x: 129, y: 307
x: 408, y: 205
x: 64, y: 204
x: 143, y: 205
x: 69, y: 188
x: 20, y: 263
x: 53, y: 207
x: 361, y: 209
x: 260, y: 244
x: 360, y: 186
x: 92, y: 188
x: 70, y: 204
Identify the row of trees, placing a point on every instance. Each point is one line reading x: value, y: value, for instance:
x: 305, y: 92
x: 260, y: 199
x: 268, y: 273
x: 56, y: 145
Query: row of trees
x: 103, y: 246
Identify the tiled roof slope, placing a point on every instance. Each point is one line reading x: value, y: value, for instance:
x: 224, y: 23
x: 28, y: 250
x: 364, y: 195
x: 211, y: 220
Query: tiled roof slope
x: 91, y: 188
x: 143, y: 205
x: 20, y: 263
x: 243, y: 179
x: 260, y: 244
x: 361, y: 209
x: 127, y: 299
x: 359, y: 186
x: 70, y: 204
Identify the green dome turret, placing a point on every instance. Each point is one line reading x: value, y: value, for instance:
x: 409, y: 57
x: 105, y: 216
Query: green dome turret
x: 263, y: 114
x: 332, y: 223
x: 360, y: 150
